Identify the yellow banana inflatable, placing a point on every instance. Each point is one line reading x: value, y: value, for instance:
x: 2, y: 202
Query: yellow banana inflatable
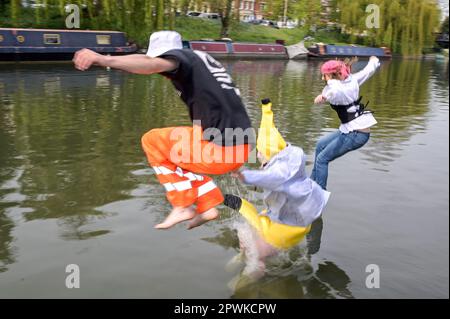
x: 280, y: 236
x: 269, y: 141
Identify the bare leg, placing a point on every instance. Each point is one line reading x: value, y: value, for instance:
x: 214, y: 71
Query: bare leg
x: 177, y: 215
x: 247, y: 277
x: 202, y: 218
x: 265, y: 250
x: 236, y: 262
x: 255, y: 273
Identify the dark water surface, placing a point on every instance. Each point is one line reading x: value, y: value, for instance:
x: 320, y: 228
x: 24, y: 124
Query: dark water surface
x: 75, y: 187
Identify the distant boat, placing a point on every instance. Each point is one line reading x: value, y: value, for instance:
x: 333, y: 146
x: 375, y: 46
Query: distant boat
x: 321, y: 50
x: 238, y: 50
x: 50, y: 44
x: 442, y: 40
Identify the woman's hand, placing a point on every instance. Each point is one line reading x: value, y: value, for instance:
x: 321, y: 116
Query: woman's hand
x: 373, y: 59
x: 320, y: 99
x: 85, y: 58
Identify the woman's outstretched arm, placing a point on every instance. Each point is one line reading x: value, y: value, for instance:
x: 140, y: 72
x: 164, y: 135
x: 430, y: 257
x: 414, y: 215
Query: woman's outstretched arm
x: 363, y: 75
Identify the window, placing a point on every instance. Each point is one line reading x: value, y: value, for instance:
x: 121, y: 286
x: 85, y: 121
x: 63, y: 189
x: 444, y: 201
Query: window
x: 103, y: 39
x: 52, y: 39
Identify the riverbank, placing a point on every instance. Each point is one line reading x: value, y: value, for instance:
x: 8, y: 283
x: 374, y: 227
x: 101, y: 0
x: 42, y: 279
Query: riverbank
x: 192, y: 28
x: 196, y: 28
x: 189, y: 27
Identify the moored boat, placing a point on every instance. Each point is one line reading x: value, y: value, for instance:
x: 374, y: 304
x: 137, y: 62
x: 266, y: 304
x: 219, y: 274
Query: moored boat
x: 321, y: 50
x: 51, y: 44
x: 442, y: 40
x: 238, y: 50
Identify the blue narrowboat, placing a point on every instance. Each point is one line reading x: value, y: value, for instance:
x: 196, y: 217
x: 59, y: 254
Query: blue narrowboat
x: 339, y: 51
x: 50, y: 44
x: 442, y: 40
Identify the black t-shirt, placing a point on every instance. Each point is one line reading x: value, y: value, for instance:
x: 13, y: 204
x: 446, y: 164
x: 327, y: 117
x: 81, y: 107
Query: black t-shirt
x: 211, y: 96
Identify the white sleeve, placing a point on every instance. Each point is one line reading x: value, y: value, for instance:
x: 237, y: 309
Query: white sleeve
x: 363, y: 75
x: 329, y: 91
x: 269, y: 179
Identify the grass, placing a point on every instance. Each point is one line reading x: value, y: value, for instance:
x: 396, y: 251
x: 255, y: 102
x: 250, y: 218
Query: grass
x: 331, y: 37
x: 195, y: 29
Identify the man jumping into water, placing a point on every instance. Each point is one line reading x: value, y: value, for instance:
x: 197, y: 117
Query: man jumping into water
x: 220, y: 140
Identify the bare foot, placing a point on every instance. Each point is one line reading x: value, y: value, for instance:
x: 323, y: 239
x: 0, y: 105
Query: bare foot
x: 177, y: 215
x: 202, y: 218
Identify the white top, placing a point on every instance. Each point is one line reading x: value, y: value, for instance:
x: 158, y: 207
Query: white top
x: 347, y: 91
x: 291, y: 197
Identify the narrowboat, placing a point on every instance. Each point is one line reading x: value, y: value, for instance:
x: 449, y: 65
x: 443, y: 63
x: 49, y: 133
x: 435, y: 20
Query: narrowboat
x: 442, y: 40
x: 238, y: 50
x: 50, y: 44
x: 326, y: 51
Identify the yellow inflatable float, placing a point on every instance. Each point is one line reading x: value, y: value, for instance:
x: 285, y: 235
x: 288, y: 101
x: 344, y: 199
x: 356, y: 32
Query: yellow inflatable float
x: 278, y: 235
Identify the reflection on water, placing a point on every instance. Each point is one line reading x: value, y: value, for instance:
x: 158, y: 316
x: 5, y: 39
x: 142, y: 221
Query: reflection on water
x: 328, y: 281
x: 70, y: 158
x: 289, y: 274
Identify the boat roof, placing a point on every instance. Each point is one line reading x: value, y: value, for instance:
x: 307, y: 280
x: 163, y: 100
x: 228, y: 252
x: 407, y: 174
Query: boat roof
x: 58, y: 30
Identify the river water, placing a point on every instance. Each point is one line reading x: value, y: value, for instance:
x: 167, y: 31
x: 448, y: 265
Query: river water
x: 75, y: 188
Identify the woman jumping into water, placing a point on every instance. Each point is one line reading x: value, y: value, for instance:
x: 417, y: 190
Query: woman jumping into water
x: 342, y: 92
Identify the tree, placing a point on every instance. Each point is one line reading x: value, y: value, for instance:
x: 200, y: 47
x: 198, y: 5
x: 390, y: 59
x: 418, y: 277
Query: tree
x: 406, y: 26
x: 444, y: 26
x: 184, y: 6
x: 225, y: 9
x: 160, y: 7
x: 3, y: 6
x: 226, y: 19
x: 15, y: 10
x: 307, y: 11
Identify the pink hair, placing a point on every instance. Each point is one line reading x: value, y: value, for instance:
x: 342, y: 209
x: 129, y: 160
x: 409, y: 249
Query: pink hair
x: 335, y: 66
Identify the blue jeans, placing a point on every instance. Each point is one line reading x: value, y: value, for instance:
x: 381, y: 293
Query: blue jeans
x: 331, y: 147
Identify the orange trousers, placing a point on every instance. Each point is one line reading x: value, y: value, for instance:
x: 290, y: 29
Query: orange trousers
x: 180, y: 158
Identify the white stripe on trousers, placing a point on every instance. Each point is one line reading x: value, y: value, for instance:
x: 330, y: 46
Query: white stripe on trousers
x: 165, y: 171
x: 184, y: 185
x: 206, y: 188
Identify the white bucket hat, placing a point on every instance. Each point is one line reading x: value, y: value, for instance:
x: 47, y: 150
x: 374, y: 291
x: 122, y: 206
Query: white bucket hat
x: 163, y: 41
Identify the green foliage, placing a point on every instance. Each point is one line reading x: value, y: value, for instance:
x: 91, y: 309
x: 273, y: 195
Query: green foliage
x: 307, y: 11
x: 129, y: 16
x: 195, y: 29
x: 406, y: 26
x: 444, y: 26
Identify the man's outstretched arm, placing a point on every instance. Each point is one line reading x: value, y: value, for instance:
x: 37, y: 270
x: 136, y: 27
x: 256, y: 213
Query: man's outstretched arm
x: 133, y: 63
